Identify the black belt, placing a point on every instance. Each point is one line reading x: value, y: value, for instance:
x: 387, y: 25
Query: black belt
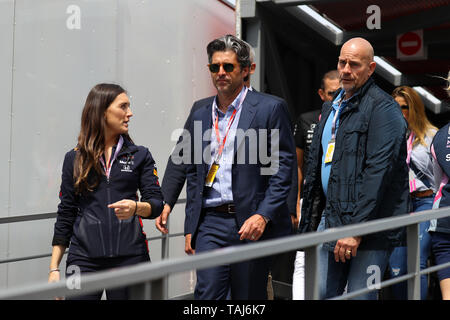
x: 225, y: 208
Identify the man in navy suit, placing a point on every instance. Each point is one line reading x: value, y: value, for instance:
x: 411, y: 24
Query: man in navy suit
x: 175, y: 174
x: 242, y: 153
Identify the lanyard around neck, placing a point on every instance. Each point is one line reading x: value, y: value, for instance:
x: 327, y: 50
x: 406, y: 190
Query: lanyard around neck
x: 230, y: 122
x: 410, y: 147
x: 336, y: 116
x: 108, y: 168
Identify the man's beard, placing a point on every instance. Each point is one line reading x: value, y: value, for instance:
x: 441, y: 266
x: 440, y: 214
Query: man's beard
x: 350, y: 88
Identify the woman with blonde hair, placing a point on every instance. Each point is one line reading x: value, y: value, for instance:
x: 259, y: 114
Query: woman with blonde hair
x: 422, y: 186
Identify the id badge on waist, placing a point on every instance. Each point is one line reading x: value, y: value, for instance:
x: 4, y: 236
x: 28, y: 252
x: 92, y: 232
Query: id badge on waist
x: 330, y: 151
x: 211, y: 174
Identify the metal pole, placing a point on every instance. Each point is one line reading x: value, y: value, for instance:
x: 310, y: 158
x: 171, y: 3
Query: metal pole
x: 157, y: 289
x: 251, y: 30
x: 165, y: 255
x: 311, y: 273
x: 149, y: 290
x: 140, y: 291
x: 413, y: 245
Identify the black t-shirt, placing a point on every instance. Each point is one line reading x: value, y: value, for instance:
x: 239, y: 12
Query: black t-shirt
x: 304, y: 129
x: 303, y: 134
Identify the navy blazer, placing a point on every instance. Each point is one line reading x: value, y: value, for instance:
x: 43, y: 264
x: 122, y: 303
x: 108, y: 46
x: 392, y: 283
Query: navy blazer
x: 175, y: 174
x: 253, y: 192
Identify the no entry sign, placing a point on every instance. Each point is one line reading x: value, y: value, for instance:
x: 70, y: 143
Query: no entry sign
x: 410, y: 45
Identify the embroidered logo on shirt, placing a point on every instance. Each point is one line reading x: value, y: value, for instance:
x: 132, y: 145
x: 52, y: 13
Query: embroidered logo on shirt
x: 126, y: 168
x: 127, y: 163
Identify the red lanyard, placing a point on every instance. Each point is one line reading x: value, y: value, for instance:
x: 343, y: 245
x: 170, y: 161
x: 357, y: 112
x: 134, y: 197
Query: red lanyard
x: 216, y: 128
x: 333, y: 124
x: 410, y: 147
x: 230, y: 122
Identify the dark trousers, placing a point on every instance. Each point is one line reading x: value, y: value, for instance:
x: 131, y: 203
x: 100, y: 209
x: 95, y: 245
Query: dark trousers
x: 238, y: 281
x: 88, y: 265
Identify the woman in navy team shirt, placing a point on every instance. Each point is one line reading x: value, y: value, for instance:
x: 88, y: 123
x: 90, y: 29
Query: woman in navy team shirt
x: 99, y: 214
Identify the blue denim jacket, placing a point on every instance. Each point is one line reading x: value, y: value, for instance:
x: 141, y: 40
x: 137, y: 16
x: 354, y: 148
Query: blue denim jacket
x: 369, y: 176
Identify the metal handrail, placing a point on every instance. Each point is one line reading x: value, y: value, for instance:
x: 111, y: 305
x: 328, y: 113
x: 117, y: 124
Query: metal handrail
x: 146, y: 279
x: 51, y: 215
x: 45, y: 255
x: 43, y: 216
x: 28, y: 217
x: 390, y: 282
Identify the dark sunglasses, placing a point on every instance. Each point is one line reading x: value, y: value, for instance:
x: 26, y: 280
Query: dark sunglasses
x: 215, y: 67
x: 405, y: 107
x: 331, y: 93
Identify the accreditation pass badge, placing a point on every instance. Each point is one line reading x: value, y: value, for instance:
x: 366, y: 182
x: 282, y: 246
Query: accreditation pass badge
x: 330, y: 151
x: 211, y: 174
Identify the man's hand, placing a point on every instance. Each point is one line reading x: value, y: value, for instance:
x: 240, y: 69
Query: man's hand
x: 253, y: 228
x: 187, y: 244
x: 161, y: 221
x: 346, y: 248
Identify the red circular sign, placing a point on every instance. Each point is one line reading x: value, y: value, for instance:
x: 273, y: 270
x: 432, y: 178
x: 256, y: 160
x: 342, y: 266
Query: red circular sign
x: 409, y: 43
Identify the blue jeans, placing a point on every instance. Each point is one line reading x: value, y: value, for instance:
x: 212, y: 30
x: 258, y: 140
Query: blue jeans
x: 356, y: 273
x: 323, y: 263
x: 398, y: 259
x: 363, y: 271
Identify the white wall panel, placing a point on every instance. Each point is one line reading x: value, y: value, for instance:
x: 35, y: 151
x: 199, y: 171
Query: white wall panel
x: 28, y: 239
x: 154, y: 49
x: 165, y: 60
x: 164, y: 70
x: 6, y: 55
x: 54, y: 69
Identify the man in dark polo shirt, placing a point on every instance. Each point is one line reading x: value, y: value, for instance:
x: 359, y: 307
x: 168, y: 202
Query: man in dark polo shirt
x: 303, y: 134
x: 304, y: 127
